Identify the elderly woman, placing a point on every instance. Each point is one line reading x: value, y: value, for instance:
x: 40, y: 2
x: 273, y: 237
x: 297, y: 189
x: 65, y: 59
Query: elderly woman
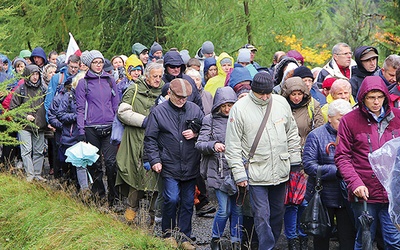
x: 307, y: 113
x: 319, y: 153
x: 214, y: 168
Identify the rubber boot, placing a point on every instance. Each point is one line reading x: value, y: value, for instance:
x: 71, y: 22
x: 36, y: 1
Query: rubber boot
x: 215, y: 245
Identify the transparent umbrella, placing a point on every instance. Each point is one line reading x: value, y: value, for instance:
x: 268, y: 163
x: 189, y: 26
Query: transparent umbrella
x: 82, y: 154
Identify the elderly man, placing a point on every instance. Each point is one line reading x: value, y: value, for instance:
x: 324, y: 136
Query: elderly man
x: 341, y: 89
x: 169, y: 144
x: 367, y: 64
x: 388, y: 71
x: 267, y: 172
x: 340, y: 64
x: 362, y: 131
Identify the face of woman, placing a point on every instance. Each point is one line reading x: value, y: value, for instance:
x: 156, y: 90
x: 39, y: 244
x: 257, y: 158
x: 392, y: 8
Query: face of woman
x: 213, y: 71
x: 50, y: 73
x: 225, y: 108
x: 226, y: 67
x: 117, y: 62
x: 20, y: 68
x: 335, y: 120
x: 97, y: 65
x: 135, y: 74
x: 296, y: 96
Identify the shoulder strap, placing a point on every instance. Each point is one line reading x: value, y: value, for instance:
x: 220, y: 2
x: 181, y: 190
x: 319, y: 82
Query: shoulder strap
x: 260, y: 129
x: 134, y: 95
x: 311, y: 107
x: 61, y: 78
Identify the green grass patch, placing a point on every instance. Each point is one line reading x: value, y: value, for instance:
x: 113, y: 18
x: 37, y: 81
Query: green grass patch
x: 33, y: 216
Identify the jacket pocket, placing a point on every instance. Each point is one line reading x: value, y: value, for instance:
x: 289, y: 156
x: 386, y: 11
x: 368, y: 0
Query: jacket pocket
x: 283, y: 167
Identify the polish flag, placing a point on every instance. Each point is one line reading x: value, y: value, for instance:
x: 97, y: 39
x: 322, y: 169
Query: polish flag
x: 73, y: 48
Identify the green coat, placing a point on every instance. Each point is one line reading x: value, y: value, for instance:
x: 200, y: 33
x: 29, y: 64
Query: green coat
x: 130, y: 152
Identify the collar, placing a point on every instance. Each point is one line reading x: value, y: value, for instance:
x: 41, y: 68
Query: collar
x: 377, y: 118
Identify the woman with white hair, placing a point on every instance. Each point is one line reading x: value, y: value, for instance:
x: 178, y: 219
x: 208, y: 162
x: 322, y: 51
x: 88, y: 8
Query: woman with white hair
x: 319, y: 152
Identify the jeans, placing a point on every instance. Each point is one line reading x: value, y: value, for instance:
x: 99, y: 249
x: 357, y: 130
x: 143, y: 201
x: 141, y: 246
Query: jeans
x: 267, y: 203
x: 391, y: 236
x: 102, y: 142
x: 227, y: 209
x: 32, y: 146
x: 176, y: 194
x: 292, y: 220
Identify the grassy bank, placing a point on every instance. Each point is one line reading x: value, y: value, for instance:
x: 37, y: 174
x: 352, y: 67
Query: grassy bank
x: 32, y: 216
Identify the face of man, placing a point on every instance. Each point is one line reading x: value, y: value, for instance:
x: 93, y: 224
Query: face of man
x: 373, y: 100
x: 252, y: 55
x: 343, y: 58
x: 389, y: 74
x: 308, y: 81
x: 144, y: 57
x: 158, y: 54
x: 154, y: 78
x: 335, y: 120
x: 53, y: 59
x: 177, y: 100
x: 207, y: 55
x: 97, y: 65
x: 341, y: 92
x: 263, y: 97
x: 370, y: 64
x: 174, y: 70
x: 38, y: 61
x: 73, y: 68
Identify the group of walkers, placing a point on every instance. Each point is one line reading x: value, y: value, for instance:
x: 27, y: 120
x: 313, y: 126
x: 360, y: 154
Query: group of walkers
x: 258, y: 136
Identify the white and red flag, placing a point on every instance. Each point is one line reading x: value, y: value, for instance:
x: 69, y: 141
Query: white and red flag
x: 73, y: 48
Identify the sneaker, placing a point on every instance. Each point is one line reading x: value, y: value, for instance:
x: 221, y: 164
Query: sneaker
x: 40, y: 178
x: 171, y: 242
x: 206, y: 209
x: 157, y: 219
x: 187, y: 246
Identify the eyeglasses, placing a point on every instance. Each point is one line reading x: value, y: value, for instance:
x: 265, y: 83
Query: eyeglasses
x: 374, y: 98
x: 98, y: 62
x: 345, y: 54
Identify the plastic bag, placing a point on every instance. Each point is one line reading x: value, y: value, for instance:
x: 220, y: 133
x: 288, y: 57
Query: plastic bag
x: 385, y: 163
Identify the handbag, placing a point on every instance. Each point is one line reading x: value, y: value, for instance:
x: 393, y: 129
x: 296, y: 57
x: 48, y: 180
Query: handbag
x: 315, y: 218
x: 118, y: 127
x: 295, y: 188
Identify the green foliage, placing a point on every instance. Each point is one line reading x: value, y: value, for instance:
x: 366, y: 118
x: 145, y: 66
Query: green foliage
x: 34, y: 217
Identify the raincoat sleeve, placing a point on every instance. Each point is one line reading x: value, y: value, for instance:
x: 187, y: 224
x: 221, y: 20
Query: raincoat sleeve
x: 205, y: 144
x: 343, y: 157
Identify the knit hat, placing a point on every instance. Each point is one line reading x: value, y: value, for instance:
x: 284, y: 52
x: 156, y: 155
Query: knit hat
x: 207, y: 47
x: 262, y: 83
x: 18, y: 60
x: 243, y: 56
x: 327, y: 83
x: 155, y: 47
x: 185, y: 56
x: 226, y: 60
x: 296, y: 55
x: 180, y: 87
x: 25, y: 53
x: 303, y: 72
x: 107, y: 65
x: 87, y: 58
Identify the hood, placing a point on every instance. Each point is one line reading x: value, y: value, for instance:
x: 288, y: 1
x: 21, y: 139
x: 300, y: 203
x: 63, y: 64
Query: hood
x: 239, y: 74
x: 222, y: 56
x: 292, y: 84
x: 208, y: 62
x: 138, y: 48
x: 4, y: 58
x: 39, y: 51
x: 199, y: 54
x: 373, y: 83
x: 279, y: 68
x: 360, y: 70
x: 173, y: 58
x: 133, y: 61
x: 223, y: 95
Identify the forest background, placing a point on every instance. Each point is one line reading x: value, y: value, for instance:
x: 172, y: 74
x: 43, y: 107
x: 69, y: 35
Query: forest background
x: 310, y: 26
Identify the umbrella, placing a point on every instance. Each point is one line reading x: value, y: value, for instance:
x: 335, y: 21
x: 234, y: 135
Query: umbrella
x: 82, y: 154
x: 296, y: 188
x: 365, y: 221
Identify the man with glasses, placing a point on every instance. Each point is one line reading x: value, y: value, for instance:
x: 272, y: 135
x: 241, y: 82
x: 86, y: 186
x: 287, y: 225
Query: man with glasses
x: 169, y: 144
x: 340, y: 64
x: 362, y: 131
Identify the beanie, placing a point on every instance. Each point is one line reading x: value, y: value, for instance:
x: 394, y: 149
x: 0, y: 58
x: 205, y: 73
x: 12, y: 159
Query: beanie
x: 327, y: 83
x: 243, y: 56
x: 303, y: 72
x: 84, y: 57
x: 185, y: 56
x: 88, y: 58
x: 296, y: 55
x: 226, y: 60
x: 207, y: 47
x: 155, y: 47
x: 262, y: 83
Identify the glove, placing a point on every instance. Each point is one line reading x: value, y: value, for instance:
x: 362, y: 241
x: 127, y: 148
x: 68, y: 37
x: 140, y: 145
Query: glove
x: 82, y: 138
x: 147, y: 166
x: 144, y: 124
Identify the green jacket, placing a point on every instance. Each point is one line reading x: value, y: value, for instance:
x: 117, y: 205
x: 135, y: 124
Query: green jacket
x: 279, y: 146
x: 130, y: 153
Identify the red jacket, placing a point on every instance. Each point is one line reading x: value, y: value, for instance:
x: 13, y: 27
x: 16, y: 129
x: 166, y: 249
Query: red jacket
x: 359, y: 134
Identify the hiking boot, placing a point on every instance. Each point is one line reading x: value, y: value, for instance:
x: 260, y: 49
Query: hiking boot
x: 187, y: 246
x: 171, y: 242
x: 206, y: 209
x: 215, y: 244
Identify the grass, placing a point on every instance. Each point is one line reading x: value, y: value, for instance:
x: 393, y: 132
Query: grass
x: 33, y: 216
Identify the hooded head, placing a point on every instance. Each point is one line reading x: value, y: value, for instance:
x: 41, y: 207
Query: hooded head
x: 364, y: 53
x: 238, y: 75
x: 132, y: 63
x: 222, y: 58
x: 174, y: 59
x: 371, y: 83
x: 295, y: 84
x: 39, y: 52
x: 28, y: 71
x: 208, y: 62
x: 138, y: 48
x: 223, y: 95
x: 280, y: 68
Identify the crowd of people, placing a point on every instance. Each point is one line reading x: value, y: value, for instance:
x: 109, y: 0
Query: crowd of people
x: 257, y: 136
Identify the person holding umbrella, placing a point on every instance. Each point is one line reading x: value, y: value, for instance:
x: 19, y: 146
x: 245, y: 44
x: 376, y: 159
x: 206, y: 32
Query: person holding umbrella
x: 362, y: 131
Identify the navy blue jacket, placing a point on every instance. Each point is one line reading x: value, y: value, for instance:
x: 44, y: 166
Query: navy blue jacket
x: 315, y: 155
x: 165, y: 144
